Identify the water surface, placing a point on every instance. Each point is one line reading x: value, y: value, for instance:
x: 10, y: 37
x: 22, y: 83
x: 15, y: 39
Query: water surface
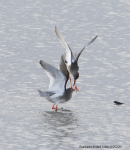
x: 90, y: 118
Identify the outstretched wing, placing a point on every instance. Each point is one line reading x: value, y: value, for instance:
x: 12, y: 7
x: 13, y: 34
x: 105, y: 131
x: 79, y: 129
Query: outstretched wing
x: 57, y: 78
x: 85, y: 47
x: 69, y: 56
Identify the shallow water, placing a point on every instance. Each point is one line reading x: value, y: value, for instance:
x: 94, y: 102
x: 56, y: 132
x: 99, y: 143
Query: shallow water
x: 90, y: 118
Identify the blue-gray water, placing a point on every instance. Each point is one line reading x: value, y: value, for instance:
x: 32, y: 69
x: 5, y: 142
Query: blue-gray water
x: 26, y: 36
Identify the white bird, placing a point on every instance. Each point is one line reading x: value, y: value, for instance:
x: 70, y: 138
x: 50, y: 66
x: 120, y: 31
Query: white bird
x: 71, y: 60
x: 57, y: 92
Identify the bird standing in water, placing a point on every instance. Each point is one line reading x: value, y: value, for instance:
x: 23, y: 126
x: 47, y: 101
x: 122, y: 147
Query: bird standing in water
x: 57, y: 92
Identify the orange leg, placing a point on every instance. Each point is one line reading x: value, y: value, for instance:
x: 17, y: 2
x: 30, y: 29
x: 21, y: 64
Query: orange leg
x: 56, y: 108
x: 71, y: 84
x: 53, y: 106
x: 76, y: 86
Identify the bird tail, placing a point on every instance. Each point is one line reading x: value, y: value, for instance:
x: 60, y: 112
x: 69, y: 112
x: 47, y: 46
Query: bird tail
x: 42, y: 93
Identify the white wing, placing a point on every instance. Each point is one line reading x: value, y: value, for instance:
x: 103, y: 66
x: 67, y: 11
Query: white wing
x: 68, y: 50
x: 57, y: 79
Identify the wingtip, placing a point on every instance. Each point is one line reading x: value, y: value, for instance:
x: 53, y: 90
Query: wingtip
x: 40, y: 61
x: 55, y: 29
x: 38, y: 91
x: 95, y: 37
x: 92, y: 40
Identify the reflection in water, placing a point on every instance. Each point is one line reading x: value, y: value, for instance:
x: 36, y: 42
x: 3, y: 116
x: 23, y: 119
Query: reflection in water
x: 60, y: 124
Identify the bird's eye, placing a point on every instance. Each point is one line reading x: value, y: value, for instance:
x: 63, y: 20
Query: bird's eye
x: 66, y: 61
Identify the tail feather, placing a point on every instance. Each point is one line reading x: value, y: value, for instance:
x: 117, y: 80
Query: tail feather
x: 42, y: 93
x: 45, y: 94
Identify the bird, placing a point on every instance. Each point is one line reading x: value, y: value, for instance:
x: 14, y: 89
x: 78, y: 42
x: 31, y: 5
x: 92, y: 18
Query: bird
x: 118, y: 103
x: 57, y: 92
x: 71, y: 59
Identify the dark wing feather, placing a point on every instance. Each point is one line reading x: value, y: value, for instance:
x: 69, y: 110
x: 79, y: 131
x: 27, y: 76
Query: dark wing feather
x: 92, y: 40
x: 63, y: 68
x: 79, y: 54
x: 50, y: 93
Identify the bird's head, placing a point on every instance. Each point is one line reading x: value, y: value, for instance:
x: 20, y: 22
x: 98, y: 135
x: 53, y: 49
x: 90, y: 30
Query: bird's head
x: 76, y: 76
